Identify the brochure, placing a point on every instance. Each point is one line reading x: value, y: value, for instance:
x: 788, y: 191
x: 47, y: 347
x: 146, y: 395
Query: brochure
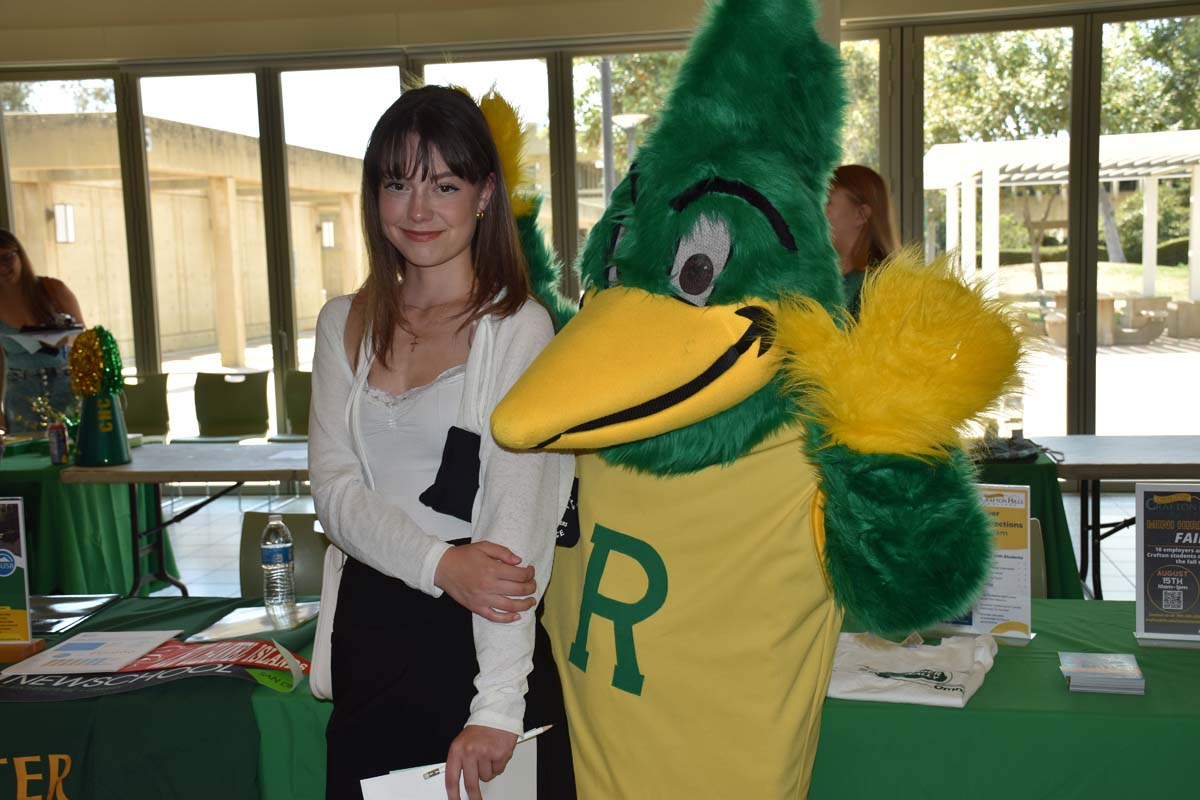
x: 1168, y: 564
x: 14, y: 577
x: 1112, y: 673
x: 517, y: 782
x: 252, y: 621
x: 58, y: 613
x: 92, y: 651
x: 1004, y: 608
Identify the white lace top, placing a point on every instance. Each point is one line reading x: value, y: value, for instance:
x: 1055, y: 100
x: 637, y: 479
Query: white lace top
x: 403, y: 436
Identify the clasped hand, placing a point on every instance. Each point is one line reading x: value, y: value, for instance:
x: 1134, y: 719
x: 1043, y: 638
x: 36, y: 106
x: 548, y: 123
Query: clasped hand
x: 486, y: 578
x: 478, y: 754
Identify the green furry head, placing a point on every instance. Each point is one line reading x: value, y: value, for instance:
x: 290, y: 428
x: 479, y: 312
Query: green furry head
x: 746, y: 146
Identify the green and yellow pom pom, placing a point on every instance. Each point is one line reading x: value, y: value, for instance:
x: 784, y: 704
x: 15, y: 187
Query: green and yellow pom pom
x: 95, y: 363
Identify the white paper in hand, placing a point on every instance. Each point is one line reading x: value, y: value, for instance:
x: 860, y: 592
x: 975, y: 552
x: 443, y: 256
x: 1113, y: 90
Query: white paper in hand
x: 517, y: 782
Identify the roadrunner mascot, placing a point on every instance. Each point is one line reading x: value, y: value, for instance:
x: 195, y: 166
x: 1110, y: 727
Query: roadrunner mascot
x: 753, y: 463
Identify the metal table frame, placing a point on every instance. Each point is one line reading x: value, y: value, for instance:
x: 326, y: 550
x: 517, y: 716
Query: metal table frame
x: 157, y: 464
x: 1092, y: 459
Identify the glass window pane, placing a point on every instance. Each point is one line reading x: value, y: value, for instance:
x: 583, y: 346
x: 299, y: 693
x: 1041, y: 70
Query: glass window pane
x: 860, y: 134
x: 636, y: 86
x: 1148, y: 281
x: 208, y: 226
x: 328, y: 116
x: 997, y: 151
x: 64, y: 166
x: 524, y: 84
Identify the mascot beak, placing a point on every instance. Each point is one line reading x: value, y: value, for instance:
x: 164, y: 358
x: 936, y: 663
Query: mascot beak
x: 632, y: 365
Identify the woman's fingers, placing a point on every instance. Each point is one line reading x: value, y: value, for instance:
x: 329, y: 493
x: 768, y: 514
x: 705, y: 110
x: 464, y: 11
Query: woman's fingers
x: 498, y: 552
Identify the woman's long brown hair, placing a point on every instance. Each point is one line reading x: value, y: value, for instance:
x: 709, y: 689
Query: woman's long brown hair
x: 878, y: 238
x: 449, y: 121
x: 37, y: 300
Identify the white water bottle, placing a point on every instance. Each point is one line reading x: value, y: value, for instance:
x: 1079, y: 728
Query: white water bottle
x: 279, y: 578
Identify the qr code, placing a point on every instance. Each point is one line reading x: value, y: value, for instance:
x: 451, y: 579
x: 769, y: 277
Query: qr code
x: 1172, y: 600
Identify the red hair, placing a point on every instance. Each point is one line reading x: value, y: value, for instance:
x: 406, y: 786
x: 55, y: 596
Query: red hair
x: 878, y: 238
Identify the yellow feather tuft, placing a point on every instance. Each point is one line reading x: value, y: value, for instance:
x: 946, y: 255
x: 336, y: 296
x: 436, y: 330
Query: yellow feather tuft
x: 509, y: 136
x: 927, y: 355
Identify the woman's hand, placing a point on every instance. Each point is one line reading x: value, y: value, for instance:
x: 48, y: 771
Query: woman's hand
x: 478, y: 754
x: 486, y: 578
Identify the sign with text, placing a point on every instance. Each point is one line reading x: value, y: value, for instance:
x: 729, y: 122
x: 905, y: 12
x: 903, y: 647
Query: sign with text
x: 1168, y: 562
x: 1004, y: 607
x: 14, y: 575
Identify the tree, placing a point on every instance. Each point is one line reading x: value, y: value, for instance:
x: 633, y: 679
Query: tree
x: 641, y: 83
x: 15, y: 96
x: 860, y: 136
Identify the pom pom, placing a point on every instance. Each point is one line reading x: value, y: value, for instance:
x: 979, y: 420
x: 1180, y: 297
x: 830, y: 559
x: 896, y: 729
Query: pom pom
x: 95, y: 363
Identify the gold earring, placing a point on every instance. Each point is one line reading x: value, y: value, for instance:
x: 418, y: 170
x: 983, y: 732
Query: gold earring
x: 479, y: 214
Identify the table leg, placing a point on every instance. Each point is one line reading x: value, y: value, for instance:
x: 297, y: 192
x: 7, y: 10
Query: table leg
x: 157, y: 546
x: 1096, y: 537
x: 135, y: 529
x: 159, y: 543
x: 1084, y: 535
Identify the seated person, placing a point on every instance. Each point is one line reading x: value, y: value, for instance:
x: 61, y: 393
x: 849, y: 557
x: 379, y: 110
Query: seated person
x: 27, y: 300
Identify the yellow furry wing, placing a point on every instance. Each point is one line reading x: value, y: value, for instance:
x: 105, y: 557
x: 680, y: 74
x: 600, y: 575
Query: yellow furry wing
x: 927, y: 354
x: 509, y: 136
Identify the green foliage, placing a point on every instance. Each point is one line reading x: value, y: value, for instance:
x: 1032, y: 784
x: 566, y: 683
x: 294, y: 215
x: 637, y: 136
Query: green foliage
x: 640, y: 85
x: 860, y: 135
x: 1173, y: 217
x: 1150, y: 74
x: 15, y: 96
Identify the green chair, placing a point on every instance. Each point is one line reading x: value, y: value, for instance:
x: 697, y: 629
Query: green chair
x: 308, y: 552
x: 146, y: 407
x: 230, y: 407
x: 297, y: 394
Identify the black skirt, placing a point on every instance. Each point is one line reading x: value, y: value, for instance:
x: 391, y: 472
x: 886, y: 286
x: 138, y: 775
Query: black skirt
x: 403, y: 666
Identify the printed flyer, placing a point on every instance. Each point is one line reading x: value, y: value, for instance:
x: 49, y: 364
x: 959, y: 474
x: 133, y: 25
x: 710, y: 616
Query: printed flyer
x: 14, y: 578
x: 1004, y: 608
x: 1168, y: 563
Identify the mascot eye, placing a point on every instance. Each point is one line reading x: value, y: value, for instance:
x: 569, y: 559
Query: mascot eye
x: 699, y: 260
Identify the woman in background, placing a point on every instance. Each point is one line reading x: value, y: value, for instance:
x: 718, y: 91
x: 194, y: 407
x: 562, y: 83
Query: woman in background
x: 436, y: 651
x: 29, y: 301
x: 862, y: 224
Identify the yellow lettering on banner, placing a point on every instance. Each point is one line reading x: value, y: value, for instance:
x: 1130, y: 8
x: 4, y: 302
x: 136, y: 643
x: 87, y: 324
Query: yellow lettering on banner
x: 105, y: 427
x: 60, y: 768
x: 24, y: 776
x: 106, y: 415
x: 103, y: 402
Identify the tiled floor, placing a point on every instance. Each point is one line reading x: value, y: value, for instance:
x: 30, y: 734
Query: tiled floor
x: 206, y: 544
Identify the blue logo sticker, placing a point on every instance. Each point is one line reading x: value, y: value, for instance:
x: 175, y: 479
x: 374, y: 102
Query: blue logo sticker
x: 8, y: 563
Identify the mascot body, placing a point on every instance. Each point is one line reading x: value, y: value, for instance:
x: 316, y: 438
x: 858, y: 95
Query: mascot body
x: 751, y: 462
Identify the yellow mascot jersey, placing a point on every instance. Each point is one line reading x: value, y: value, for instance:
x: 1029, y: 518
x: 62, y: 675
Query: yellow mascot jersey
x: 694, y: 609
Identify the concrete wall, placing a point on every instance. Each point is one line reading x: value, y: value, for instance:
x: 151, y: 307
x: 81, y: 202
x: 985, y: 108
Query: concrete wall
x: 71, y: 158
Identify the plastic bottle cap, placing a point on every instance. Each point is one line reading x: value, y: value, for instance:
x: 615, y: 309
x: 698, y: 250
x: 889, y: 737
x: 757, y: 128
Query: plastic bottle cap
x: 274, y: 518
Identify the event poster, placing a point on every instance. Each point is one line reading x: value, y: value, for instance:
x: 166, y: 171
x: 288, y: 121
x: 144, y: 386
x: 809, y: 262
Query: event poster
x: 14, y: 580
x: 1004, y: 607
x: 1168, y: 562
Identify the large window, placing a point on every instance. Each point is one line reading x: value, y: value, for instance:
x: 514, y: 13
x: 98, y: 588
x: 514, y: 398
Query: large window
x: 68, y: 209
x: 328, y: 116
x: 209, y: 235
x: 618, y: 100
x: 860, y: 132
x: 1148, y: 288
x: 525, y: 85
x: 997, y: 153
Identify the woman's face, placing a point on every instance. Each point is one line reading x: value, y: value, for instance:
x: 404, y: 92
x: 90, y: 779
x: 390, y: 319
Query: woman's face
x: 847, y: 218
x: 431, y: 222
x: 10, y: 266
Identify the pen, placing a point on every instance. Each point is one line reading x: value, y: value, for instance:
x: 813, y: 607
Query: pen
x: 433, y: 773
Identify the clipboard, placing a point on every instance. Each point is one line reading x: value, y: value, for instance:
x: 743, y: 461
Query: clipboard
x: 517, y: 782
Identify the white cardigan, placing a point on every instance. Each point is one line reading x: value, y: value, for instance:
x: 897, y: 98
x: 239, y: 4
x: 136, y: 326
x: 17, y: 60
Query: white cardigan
x: 522, y: 495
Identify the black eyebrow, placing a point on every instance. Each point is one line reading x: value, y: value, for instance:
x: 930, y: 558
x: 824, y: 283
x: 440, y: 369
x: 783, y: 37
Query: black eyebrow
x: 747, y: 193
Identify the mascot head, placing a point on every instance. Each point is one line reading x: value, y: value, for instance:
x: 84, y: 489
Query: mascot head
x: 670, y: 365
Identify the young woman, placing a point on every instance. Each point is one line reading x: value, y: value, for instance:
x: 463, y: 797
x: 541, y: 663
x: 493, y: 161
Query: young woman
x: 862, y: 224
x: 436, y: 652
x: 28, y: 301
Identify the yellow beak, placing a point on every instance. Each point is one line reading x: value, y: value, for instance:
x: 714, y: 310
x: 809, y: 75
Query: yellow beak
x: 632, y: 365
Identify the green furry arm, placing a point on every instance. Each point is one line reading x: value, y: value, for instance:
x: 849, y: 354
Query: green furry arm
x: 907, y: 544
x: 545, y: 270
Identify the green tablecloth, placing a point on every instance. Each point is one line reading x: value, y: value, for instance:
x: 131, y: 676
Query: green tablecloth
x: 78, y: 535
x: 1023, y: 734
x: 1045, y: 498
